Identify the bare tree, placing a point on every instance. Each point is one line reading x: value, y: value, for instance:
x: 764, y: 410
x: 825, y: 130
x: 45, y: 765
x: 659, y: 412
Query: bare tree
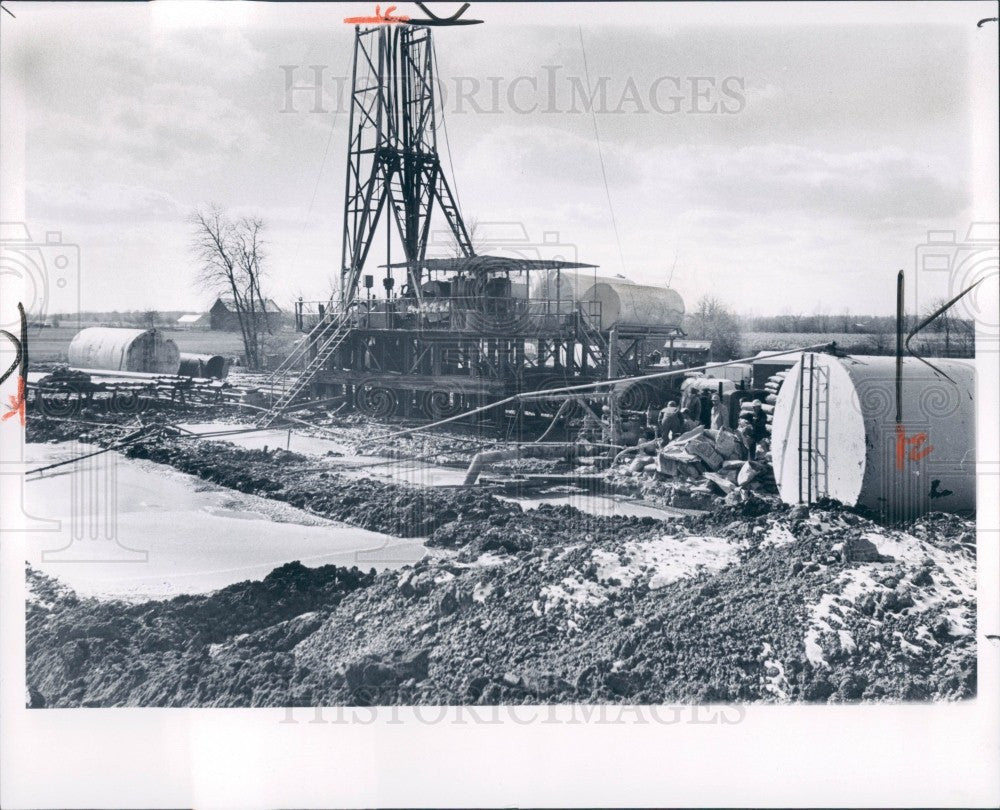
x: 713, y: 320
x: 232, y: 256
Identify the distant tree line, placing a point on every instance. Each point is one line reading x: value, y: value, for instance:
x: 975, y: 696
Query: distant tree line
x: 846, y: 323
x: 732, y: 336
x: 145, y: 318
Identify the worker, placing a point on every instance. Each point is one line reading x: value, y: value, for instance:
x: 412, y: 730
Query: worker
x: 591, y: 428
x: 758, y: 427
x: 629, y: 433
x: 720, y: 413
x: 745, y: 431
x: 705, y: 409
x: 651, y: 415
x: 691, y: 404
x: 649, y: 430
x: 671, y: 422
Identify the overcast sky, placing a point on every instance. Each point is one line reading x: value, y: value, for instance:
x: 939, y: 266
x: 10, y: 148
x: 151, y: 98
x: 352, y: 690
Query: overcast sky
x: 826, y: 154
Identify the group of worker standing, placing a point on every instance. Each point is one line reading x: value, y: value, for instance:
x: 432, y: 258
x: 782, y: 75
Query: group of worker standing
x: 709, y: 411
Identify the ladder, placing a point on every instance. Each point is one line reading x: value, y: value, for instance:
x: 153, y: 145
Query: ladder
x: 327, y: 336
x: 592, y: 331
x: 821, y: 443
x: 814, y: 437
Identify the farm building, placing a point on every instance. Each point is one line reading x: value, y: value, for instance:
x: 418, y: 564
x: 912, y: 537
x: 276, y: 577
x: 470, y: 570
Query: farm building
x: 223, y: 317
x: 194, y: 320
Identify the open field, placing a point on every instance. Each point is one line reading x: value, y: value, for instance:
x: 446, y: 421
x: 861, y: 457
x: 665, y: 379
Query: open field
x: 753, y: 342
x: 853, y: 342
x: 51, y: 344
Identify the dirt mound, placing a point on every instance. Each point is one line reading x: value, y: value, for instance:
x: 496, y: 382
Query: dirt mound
x: 768, y: 608
x: 95, y: 652
x: 753, y: 601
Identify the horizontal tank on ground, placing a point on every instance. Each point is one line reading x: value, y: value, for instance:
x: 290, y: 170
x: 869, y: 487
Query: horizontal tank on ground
x: 623, y: 304
x: 143, y: 350
x: 835, y: 434
x: 203, y: 365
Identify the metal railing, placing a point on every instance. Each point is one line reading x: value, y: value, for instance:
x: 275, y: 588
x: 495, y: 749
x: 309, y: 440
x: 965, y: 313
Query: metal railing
x: 456, y: 313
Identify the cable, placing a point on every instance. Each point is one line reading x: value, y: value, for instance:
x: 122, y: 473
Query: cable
x: 600, y: 152
x: 116, y: 445
x: 319, y: 175
x: 447, y: 143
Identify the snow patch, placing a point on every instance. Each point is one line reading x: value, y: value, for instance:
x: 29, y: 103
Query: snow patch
x: 827, y: 615
x: 951, y: 591
x: 955, y: 571
x: 573, y: 593
x: 664, y: 560
x: 775, y: 680
x: 777, y: 536
x: 481, y: 592
x: 907, y: 646
x: 656, y: 563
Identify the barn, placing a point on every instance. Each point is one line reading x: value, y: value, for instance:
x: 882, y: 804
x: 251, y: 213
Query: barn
x: 194, y: 320
x: 223, y: 317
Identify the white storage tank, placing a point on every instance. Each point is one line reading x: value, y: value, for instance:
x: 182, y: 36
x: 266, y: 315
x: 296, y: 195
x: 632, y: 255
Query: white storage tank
x: 635, y: 305
x: 567, y: 284
x: 834, y: 435
x: 144, y: 350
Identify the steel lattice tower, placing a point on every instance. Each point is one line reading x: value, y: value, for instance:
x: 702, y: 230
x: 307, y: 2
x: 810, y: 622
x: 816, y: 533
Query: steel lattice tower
x: 392, y: 151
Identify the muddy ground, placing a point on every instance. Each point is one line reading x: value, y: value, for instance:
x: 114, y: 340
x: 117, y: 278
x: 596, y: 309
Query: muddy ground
x: 753, y: 601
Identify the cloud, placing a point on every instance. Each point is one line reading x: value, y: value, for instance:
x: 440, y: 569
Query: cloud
x: 852, y: 143
x: 880, y: 184
x: 103, y: 203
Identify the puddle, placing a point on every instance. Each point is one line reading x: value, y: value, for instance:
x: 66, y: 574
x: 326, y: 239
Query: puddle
x: 421, y: 473
x: 133, y: 529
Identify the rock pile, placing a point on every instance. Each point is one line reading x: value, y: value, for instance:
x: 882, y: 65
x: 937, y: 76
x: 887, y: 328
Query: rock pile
x: 714, y: 460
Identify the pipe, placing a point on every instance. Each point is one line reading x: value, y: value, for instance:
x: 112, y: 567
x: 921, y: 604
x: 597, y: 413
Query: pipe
x: 650, y: 445
x: 555, y: 419
x: 899, y: 346
x: 548, y: 392
x: 116, y: 445
x: 558, y: 450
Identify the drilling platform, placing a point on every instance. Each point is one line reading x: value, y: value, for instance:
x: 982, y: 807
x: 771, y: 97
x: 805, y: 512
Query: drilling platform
x: 436, y: 336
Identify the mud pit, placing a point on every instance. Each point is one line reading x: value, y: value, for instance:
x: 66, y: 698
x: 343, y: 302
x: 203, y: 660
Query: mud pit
x: 168, y: 532
x: 754, y: 602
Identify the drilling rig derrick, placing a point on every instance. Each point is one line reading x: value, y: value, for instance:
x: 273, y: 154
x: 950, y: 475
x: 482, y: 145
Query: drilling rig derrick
x: 392, y: 157
x: 464, y: 330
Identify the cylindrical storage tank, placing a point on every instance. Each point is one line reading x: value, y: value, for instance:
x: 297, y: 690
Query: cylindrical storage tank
x: 203, y: 365
x: 834, y: 435
x: 144, y: 350
x: 568, y: 284
x: 635, y: 305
